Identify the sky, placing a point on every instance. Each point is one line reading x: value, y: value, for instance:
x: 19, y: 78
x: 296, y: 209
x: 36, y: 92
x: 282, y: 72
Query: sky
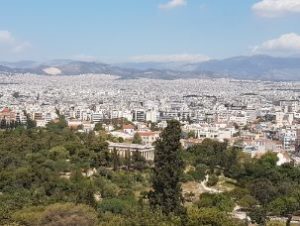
x: 147, y: 30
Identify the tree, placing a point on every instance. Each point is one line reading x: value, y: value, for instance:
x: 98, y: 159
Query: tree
x: 191, y: 134
x: 127, y: 160
x: 209, y: 152
x: 137, y: 139
x: 166, y: 193
x: 99, y: 127
x: 120, y: 139
x: 16, y: 95
x: 212, y: 180
x: 86, y: 193
x: 209, y: 216
x: 57, y: 125
x: 115, y: 159
x: 220, y: 201
x: 263, y: 190
x: 138, y: 161
x: 116, y: 206
x: 283, y: 206
x: 247, y: 201
x: 258, y: 215
x: 29, y: 122
x: 3, y: 124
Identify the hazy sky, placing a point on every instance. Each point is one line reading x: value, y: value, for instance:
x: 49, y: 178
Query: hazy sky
x: 147, y: 30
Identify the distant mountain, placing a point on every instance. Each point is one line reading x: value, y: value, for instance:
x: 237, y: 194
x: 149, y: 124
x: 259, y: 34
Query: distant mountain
x: 20, y: 64
x: 258, y: 67
x: 67, y: 67
x: 254, y: 67
x: 143, y: 66
x: 6, y: 69
x: 73, y: 68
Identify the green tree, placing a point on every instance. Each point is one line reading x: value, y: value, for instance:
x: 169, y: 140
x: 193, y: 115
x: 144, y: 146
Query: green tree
x: 263, y: 190
x: 57, y: 125
x: 209, y: 216
x: 138, y: 161
x: 120, y: 139
x: 284, y: 206
x: 127, y: 160
x: 98, y: 127
x: 220, y: 201
x: 115, y: 159
x: 29, y: 122
x: 247, y: 201
x: 86, y: 194
x: 166, y: 193
x: 137, y: 139
x: 212, y: 180
x: 258, y: 215
x: 191, y: 134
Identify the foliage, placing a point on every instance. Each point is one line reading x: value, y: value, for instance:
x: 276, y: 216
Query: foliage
x: 117, y: 206
x: 52, y: 175
x: 222, y: 202
x: 168, y: 169
x: 99, y: 127
x: 262, y: 186
x: 258, y: 216
x: 191, y: 134
x: 208, y: 216
x: 138, y: 161
x: 248, y: 201
x: 137, y: 139
x: 199, y: 172
x: 212, y: 180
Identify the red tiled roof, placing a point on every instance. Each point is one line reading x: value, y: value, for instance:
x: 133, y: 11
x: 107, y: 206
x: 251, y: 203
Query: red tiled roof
x: 128, y: 126
x: 5, y: 110
x: 146, y: 134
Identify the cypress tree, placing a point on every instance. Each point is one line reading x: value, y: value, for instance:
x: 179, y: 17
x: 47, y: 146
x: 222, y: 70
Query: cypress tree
x: 166, y: 189
x: 127, y: 160
x: 115, y: 159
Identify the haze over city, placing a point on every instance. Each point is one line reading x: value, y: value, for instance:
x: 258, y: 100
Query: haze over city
x: 150, y: 112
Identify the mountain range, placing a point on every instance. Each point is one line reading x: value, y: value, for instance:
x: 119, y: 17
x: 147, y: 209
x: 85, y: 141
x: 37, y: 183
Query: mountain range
x: 258, y: 67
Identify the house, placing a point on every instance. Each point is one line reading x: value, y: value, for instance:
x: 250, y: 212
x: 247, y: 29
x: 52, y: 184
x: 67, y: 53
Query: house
x: 7, y: 115
x: 148, y: 137
x: 87, y: 126
x: 129, y: 129
x: 41, y: 123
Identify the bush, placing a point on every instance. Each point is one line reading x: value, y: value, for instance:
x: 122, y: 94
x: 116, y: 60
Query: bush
x: 212, y: 180
x: 222, y: 202
x: 116, y: 206
x: 247, y: 201
x: 209, y: 216
x: 67, y: 214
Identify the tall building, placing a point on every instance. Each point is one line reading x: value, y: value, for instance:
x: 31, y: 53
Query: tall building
x: 139, y: 115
